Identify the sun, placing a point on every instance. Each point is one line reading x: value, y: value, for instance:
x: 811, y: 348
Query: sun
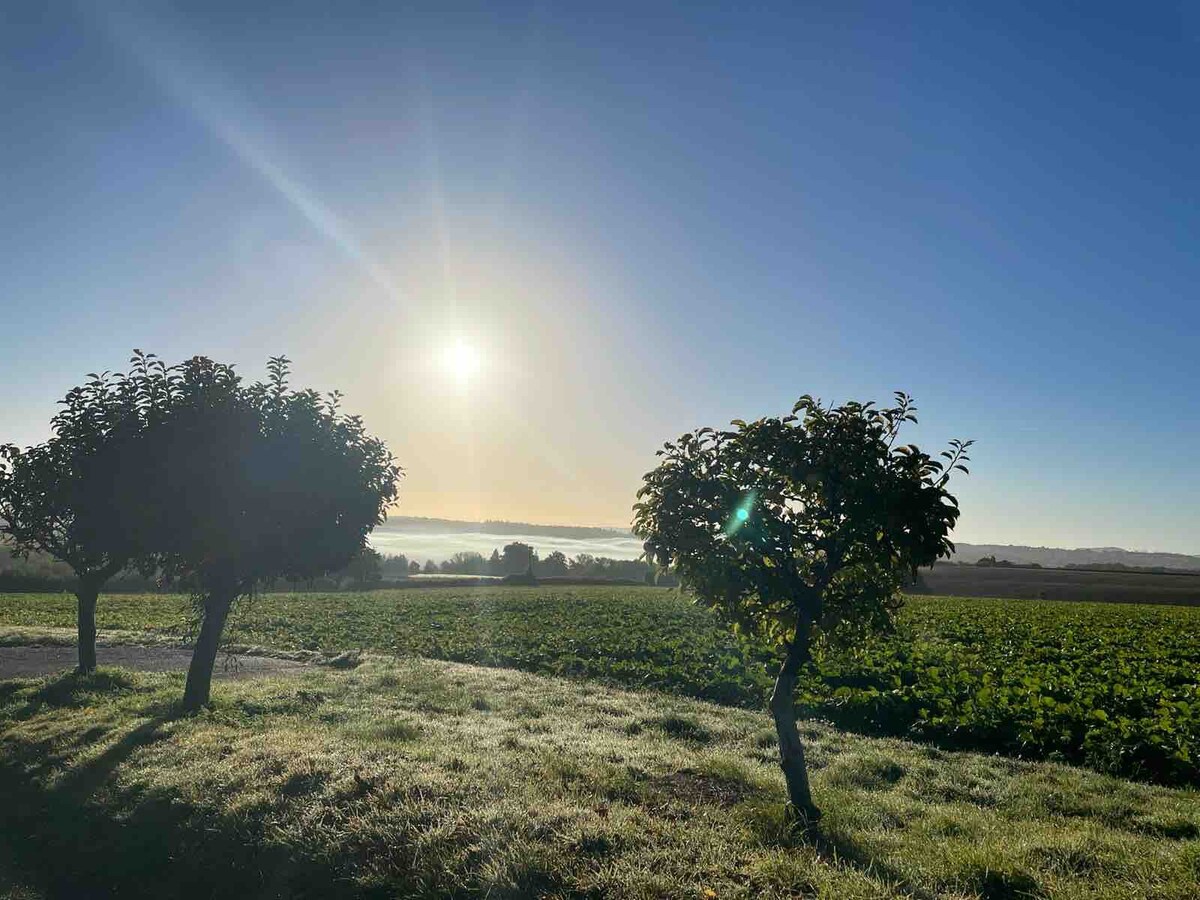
x: 461, y: 361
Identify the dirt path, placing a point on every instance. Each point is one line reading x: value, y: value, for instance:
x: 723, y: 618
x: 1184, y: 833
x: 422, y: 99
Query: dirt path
x: 29, y: 662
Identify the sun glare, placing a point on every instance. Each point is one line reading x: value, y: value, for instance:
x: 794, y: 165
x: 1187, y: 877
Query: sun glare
x: 461, y: 361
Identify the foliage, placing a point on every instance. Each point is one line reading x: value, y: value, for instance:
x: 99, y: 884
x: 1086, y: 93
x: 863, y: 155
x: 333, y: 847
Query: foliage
x: 66, y: 498
x: 1111, y: 686
x: 517, y: 558
x: 394, y: 565
x: 70, y: 497
x: 812, y: 520
x: 364, y: 569
x: 585, y: 565
x: 799, y: 527
x: 465, y: 562
x: 986, y: 561
x: 555, y: 563
x: 260, y: 482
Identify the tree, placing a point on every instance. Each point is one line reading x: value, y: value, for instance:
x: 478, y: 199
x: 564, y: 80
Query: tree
x: 414, y: 568
x: 517, y: 558
x: 394, y: 564
x: 431, y: 568
x: 555, y: 563
x: 465, y: 562
x: 495, y: 565
x: 582, y: 564
x: 798, y: 531
x: 253, y: 483
x: 59, y: 497
x: 365, y: 569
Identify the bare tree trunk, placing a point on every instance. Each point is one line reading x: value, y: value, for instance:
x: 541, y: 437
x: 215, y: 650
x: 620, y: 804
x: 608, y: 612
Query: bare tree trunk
x: 791, y: 750
x: 88, y: 591
x: 199, y: 678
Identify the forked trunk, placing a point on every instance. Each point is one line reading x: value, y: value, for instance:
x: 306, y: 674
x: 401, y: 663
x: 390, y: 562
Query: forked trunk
x: 199, y: 678
x: 88, y: 591
x: 791, y: 750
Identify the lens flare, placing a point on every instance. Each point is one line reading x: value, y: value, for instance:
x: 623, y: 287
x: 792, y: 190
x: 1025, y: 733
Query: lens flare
x: 740, y: 516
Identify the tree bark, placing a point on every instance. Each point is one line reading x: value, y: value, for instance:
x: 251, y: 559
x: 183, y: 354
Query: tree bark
x: 90, y: 584
x: 88, y: 591
x: 791, y: 750
x: 199, y: 678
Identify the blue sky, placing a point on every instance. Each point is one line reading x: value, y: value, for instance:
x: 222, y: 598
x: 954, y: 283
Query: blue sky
x: 640, y: 221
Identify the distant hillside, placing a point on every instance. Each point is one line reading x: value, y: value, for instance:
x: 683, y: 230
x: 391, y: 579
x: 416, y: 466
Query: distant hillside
x: 1055, y: 557
x: 420, y: 525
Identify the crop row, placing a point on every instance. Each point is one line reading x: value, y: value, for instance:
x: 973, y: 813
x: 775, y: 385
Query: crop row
x: 1114, y: 687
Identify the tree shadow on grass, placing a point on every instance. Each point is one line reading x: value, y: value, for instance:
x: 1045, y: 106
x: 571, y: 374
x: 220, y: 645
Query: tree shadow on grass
x: 775, y: 827
x: 70, y: 690
x: 9, y: 689
x: 85, y: 835
x: 843, y: 851
x: 71, y: 829
x: 988, y: 884
x: 88, y: 833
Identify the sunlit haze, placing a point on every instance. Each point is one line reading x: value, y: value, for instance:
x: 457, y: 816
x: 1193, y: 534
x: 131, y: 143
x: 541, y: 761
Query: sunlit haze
x: 461, y: 362
x: 530, y: 244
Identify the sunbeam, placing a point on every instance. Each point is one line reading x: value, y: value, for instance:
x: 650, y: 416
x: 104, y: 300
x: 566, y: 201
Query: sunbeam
x: 183, y: 75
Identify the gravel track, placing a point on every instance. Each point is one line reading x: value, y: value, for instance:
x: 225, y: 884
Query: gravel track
x: 33, y: 661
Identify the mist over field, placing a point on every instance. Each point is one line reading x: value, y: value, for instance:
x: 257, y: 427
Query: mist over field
x: 438, y: 539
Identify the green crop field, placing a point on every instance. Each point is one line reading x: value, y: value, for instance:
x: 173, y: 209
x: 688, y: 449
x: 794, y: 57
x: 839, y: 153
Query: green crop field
x: 1113, y: 687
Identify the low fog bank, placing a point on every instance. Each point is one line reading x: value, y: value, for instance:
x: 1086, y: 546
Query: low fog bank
x: 439, y: 539
x: 421, y: 544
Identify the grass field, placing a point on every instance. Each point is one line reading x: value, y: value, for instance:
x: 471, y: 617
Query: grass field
x: 421, y: 778
x: 1116, y: 687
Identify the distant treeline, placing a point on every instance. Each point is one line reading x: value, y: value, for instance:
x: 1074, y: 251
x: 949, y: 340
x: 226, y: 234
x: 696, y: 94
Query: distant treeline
x: 369, y: 569
x: 1121, y: 567
x: 1085, y: 582
x: 45, y: 573
x: 518, y: 558
x: 991, y: 561
x: 1002, y: 563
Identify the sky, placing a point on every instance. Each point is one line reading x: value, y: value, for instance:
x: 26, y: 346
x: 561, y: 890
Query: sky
x: 531, y: 242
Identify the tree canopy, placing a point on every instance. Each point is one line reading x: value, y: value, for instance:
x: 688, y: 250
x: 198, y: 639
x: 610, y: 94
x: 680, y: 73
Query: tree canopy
x: 59, y: 497
x: 67, y: 498
x: 189, y: 472
x: 252, y: 483
x: 260, y: 482
x: 798, y: 528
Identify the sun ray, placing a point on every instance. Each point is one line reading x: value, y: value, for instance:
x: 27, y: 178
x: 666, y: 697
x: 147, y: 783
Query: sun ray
x: 183, y: 76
